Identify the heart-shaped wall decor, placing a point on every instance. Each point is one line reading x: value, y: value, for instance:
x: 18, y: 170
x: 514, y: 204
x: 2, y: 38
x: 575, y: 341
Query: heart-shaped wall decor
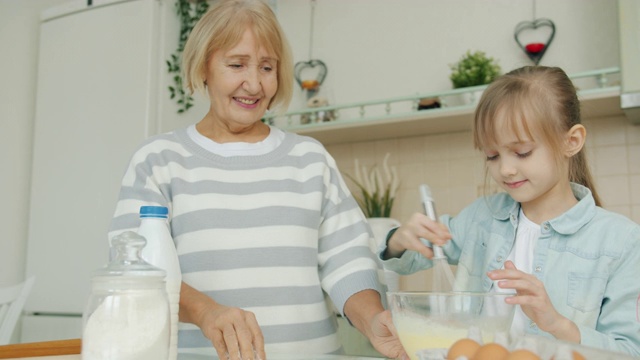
x: 535, y: 49
x: 310, y: 82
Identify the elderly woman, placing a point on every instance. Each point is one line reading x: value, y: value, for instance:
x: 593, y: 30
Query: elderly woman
x: 264, y: 226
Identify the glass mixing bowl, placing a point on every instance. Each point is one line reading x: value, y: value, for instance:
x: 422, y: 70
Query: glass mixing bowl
x: 431, y: 320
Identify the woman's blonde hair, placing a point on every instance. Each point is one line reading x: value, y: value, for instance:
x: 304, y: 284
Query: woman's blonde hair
x: 534, y: 100
x: 222, y: 27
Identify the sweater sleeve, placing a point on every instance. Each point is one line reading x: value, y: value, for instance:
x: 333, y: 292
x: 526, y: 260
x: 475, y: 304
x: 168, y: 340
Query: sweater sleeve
x: 347, y: 265
x: 140, y: 186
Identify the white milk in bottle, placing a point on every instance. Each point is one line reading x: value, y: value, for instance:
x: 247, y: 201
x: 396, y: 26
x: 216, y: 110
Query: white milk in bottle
x: 161, y: 252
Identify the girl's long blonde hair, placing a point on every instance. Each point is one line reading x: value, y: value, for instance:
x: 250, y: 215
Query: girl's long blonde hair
x: 535, y: 99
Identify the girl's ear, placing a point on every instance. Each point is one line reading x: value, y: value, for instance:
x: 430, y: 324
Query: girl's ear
x: 575, y: 139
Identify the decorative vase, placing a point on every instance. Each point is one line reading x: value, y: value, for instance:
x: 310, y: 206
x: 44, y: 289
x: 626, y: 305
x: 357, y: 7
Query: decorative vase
x: 380, y: 227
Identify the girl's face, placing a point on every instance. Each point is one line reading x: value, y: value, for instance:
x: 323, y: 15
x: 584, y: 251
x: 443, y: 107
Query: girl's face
x: 241, y: 82
x: 526, y: 169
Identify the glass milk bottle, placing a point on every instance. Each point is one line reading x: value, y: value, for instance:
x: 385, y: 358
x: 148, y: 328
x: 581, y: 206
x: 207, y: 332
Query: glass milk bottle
x: 127, y: 315
x: 161, y: 252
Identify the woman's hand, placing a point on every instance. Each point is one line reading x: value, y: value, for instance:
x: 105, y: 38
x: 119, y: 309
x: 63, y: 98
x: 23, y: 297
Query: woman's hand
x: 534, y: 301
x: 365, y: 311
x: 384, y: 337
x: 407, y: 237
x: 234, y: 332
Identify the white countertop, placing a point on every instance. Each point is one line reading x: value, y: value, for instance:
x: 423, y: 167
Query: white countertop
x: 283, y: 357
x: 205, y: 357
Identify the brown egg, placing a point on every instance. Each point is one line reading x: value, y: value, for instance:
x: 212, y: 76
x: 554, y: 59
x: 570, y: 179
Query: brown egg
x: 491, y: 351
x: 577, y: 356
x: 522, y: 354
x: 463, y: 347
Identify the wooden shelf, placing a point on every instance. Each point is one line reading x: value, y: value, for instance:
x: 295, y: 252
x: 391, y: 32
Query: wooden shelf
x: 599, y: 102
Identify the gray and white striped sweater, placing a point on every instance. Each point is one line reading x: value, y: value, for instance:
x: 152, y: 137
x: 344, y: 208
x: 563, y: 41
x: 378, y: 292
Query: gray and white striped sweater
x: 273, y: 234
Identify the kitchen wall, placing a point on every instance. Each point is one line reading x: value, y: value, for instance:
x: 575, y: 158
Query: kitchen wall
x: 455, y: 171
x: 450, y: 165
x: 425, y: 37
x: 374, y: 49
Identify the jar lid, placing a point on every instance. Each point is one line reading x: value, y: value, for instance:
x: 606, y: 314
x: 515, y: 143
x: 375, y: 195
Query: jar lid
x: 128, y: 259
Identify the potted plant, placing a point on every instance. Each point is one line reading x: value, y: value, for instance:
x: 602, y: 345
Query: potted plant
x: 376, y: 194
x: 474, y: 69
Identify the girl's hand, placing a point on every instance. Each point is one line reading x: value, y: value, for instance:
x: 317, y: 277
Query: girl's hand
x: 407, y: 237
x: 534, y: 301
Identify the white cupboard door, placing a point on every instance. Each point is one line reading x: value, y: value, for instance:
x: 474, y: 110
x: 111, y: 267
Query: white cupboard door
x: 96, y: 99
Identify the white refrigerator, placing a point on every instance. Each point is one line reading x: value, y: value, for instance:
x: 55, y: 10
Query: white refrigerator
x: 97, y: 99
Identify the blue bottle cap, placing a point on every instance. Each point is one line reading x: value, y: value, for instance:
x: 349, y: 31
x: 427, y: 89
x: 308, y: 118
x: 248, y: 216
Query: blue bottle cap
x: 154, y: 211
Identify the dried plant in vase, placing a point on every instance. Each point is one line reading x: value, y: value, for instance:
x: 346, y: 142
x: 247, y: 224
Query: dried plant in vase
x: 377, y: 188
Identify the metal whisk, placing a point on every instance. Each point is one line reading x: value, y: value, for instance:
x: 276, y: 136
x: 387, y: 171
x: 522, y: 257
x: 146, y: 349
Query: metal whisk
x: 442, y: 275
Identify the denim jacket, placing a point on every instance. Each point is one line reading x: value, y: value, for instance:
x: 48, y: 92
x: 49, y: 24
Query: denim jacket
x: 588, y: 259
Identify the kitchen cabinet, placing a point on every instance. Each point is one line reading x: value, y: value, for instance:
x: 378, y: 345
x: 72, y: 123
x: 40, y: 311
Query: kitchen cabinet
x: 601, y: 100
x: 629, y: 25
x: 96, y: 100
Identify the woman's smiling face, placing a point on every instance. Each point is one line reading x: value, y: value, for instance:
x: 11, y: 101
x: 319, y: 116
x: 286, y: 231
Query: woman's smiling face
x: 241, y: 82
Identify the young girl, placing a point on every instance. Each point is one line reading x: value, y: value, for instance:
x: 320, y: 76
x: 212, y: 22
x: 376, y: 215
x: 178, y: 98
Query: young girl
x: 574, y: 266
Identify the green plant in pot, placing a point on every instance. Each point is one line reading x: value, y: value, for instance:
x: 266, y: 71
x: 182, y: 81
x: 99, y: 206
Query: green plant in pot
x: 474, y: 69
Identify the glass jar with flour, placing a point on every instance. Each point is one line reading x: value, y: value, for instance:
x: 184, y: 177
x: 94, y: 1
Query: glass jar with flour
x: 127, y: 315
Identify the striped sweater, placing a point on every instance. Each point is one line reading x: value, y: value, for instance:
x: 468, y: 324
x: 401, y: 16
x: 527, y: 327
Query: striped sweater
x: 275, y: 234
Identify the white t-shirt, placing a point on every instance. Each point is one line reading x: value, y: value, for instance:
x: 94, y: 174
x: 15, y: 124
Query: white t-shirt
x: 270, y: 143
x: 521, y: 255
